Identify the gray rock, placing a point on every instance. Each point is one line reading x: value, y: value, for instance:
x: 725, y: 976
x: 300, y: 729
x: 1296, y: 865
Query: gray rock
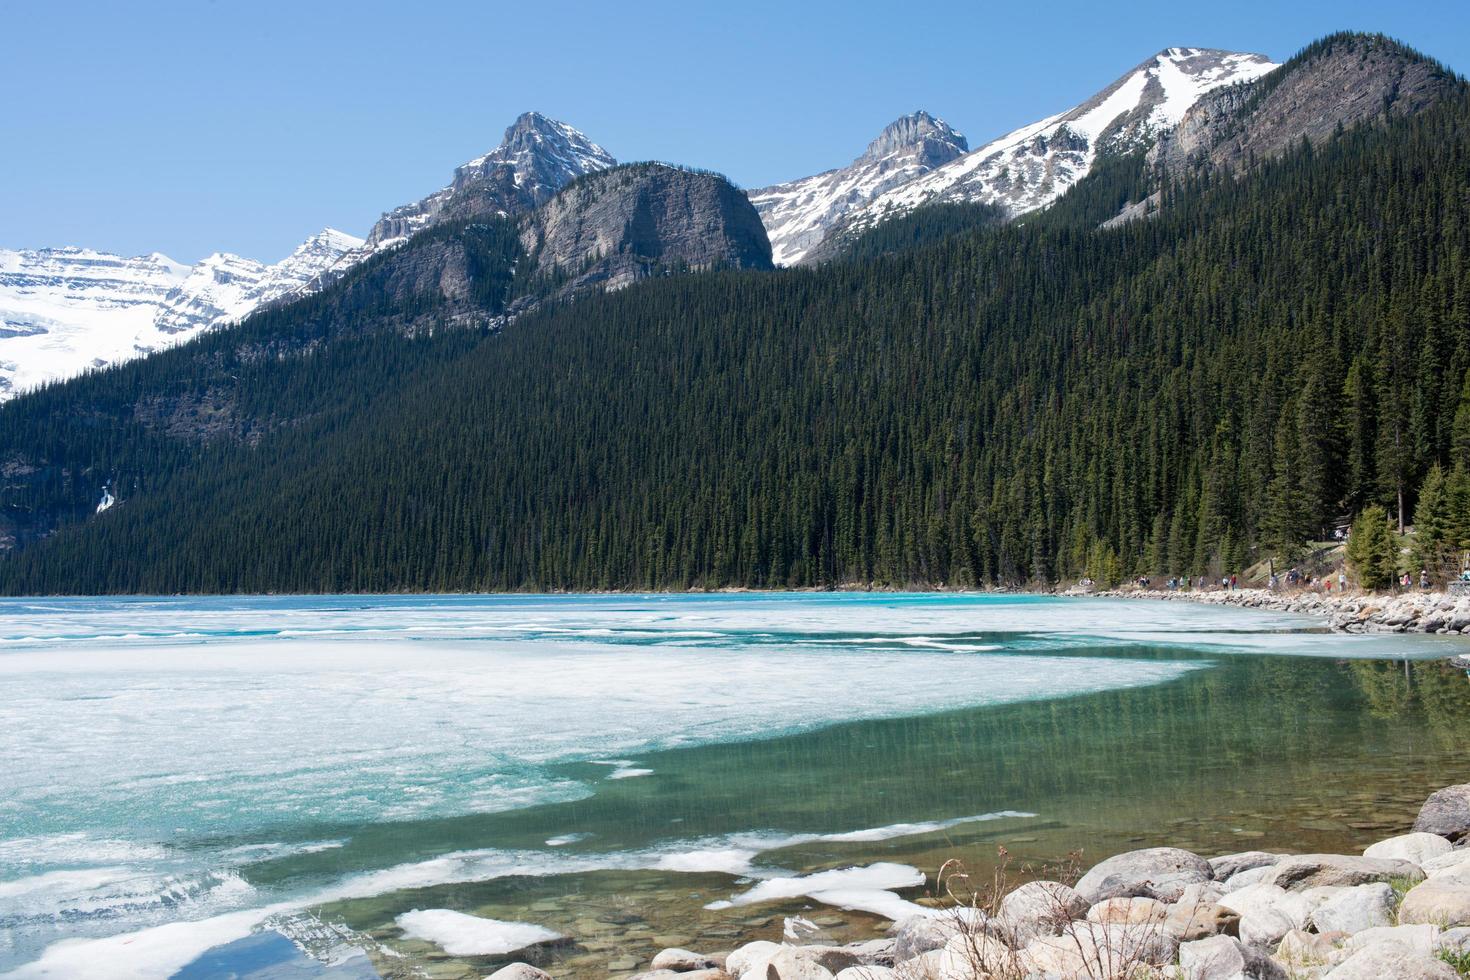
x: 1446, y: 813
x: 1391, y: 961
x: 1443, y: 900
x: 787, y: 963
x: 1227, y: 865
x: 682, y: 961
x: 1265, y: 927
x: 1038, y: 908
x: 1455, y: 940
x: 1355, y: 909
x: 1246, y: 878
x: 1299, y: 950
x: 519, y: 971
x: 1226, y: 958
x: 1312, y: 870
x: 867, y: 973
x: 1098, y: 949
x: 750, y: 957
x: 1154, y: 872
x: 1420, y: 938
x: 919, y: 934
x: 1417, y: 847
x: 1452, y: 863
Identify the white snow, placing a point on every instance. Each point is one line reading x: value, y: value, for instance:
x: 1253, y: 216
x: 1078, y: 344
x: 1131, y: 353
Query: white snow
x: 459, y: 934
x: 65, y: 310
x: 867, y: 889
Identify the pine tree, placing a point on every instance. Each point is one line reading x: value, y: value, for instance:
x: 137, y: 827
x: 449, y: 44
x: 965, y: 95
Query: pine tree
x: 1370, y: 549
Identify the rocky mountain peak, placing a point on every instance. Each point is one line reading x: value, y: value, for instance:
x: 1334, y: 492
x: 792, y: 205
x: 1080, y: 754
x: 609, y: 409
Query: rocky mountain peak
x: 537, y: 157
x: 919, y: 130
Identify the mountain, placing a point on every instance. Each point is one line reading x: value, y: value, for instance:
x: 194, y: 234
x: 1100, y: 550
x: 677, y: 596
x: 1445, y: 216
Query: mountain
x: 1338, y: 82
x: 64, y: 310
x: 1032, y: 166
x: 537, y: 157
x: 800, y: 213
x: 996, y: 404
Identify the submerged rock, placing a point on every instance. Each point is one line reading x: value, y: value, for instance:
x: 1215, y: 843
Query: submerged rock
x: 683, y: 961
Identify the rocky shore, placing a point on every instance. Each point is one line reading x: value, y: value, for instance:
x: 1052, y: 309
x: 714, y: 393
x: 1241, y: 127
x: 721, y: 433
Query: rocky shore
x: 1401, y: 909
x: 1349, y: 612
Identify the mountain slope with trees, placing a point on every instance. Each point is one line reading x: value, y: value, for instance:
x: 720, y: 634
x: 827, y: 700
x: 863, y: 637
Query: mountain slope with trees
x: 1265, y: 357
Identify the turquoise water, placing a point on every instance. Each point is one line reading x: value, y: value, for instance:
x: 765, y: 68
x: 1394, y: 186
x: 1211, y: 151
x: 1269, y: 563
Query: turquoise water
x: 177, y: 773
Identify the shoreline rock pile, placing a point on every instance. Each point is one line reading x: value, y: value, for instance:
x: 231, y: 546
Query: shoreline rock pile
x: 1400, y: 909
x: 1409, y: 612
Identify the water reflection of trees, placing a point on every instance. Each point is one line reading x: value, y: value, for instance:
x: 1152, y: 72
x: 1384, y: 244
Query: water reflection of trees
x: 1427, y: 689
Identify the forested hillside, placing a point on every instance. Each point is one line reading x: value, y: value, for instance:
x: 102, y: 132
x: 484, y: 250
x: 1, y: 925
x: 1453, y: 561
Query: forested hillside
x: 979, y: 405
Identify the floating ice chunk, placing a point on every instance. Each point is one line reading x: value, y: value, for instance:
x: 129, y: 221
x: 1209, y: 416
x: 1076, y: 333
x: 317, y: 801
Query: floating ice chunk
x: 459, y: 934
x: 856, y: 885
x: 896, y: 830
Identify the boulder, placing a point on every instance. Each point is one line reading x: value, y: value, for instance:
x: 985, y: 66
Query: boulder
x: 873, y: 952
x: 1129, y: 911
x: 1098, y: 949
x: 1455, y: 941
x: 1038, y: 908
x: 519, y: 971
x: 1454, y: 861
x: 1266, y: 897
x: 1420, y: 938
x: 1355, y: 909
x: 789, y: 964
x: 1301, y: 949
x: 1446, y: 813
x: 1227, y: 865
x: 654, y: 975
x: 750, y: 957
x: 1187, y: 922
x: 1313, y: 870
x: 1246, y: 878
x: 1226, y: 958
x: 1265, y: 927
x: 919, y: 934
x: 867, y: 973
x: 1443, y: 901
x: 936, y: 964
x: 1383, y: 961
x: 1154, y: 872
x: 1417, y: 847
x: 683, y: 961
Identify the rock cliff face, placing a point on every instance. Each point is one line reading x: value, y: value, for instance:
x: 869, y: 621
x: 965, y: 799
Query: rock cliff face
x: 612, y: 228
x: 1342, y: 81
x: 537, y: 158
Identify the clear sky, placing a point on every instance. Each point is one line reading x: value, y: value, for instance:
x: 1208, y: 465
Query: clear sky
x: 190, y: 126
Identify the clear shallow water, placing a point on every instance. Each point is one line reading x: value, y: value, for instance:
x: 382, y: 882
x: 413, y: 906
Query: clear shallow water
x: 199, y: 764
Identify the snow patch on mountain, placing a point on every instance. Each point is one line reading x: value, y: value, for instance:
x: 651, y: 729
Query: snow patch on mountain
x: 799, y: 214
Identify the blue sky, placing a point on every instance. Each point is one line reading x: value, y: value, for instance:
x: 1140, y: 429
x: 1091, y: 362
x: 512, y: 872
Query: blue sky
x: 190, y: 127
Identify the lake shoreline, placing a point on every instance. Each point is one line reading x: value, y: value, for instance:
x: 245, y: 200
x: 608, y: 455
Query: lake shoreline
x: 1352, y: 612
x: 1400, y: 909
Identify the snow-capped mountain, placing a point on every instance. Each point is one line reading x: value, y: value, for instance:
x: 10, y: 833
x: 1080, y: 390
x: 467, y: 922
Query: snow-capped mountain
x: 1025, y: 169
x: 64, y: 310
x: 799, y: 214
x: 1034, y: 165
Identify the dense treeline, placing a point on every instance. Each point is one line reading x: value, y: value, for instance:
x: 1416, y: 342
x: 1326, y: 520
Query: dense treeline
x: 1225, y: 381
